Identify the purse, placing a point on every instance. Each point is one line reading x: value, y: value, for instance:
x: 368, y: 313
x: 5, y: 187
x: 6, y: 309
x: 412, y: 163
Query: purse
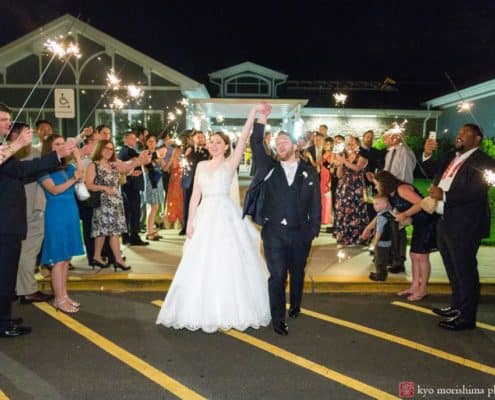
x: 82, y: 192
x: 93, y: 201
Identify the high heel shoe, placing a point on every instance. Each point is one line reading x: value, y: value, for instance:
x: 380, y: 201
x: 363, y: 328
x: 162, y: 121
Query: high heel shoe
x: 65, y: 306
x: 96, y: 263
x: 117, y: 265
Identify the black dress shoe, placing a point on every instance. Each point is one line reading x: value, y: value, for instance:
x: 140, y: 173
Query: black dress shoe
x: 446, y: 311
x: 35, y: 297
x: 397, y: 269
x: 182, y: 232
x: 456, y: 324
x: 14, y: 331
x: 294, y: 312
x: 139, y: 243
x: 375, y: 276
x: 281, y: 328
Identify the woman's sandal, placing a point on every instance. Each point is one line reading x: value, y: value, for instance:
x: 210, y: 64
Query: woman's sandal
x: 65, y: 306
x: 72, y: 302
x: 152, y: 236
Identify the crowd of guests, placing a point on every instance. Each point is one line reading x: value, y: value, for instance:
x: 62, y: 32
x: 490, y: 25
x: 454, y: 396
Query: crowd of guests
x: 367, y: 197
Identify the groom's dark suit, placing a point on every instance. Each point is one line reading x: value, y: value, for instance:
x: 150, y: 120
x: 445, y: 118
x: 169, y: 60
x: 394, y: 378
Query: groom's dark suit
x: 465, y: 221
x: 291, y: 217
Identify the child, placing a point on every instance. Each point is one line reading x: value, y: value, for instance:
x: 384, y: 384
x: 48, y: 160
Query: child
x: 382, y: 241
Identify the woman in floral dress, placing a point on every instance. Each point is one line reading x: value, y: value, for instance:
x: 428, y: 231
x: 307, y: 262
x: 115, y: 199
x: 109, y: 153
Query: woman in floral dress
x: 351, y: 214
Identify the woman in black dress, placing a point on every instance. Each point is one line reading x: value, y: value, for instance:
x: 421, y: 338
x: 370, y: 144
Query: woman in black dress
x: 405, y: 199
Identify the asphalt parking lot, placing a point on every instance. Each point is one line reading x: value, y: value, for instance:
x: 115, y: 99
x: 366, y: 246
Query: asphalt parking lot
x: 343, y: 346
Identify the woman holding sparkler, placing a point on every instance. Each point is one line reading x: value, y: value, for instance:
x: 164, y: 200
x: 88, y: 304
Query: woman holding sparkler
x: 62, y: 239
x: 404, y: 198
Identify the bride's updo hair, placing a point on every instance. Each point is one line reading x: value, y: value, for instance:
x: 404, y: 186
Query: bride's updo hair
x: 225, y: 139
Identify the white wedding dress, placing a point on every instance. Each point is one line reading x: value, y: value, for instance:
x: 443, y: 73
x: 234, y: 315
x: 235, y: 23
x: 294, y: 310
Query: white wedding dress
x: 222, y: 280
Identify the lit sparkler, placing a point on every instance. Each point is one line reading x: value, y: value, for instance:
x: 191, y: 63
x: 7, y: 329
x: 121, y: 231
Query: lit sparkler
x: 117, y: 103
x: 340, y: 99
x: 184, y: 165
x: 489, y: 177
x: 171, y: 116
x: 178, y: 111
x: 112, y: 80
x: 60, y: 50
x: 134, y: 92
x: 219, y: 118
x: 178, y: 142
x: 341, y: 255
x: 464, y: 106
x: 184, y: 102
x: 397, y: 129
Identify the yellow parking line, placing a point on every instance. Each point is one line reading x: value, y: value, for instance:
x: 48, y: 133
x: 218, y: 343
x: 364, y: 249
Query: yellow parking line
x: 3, y: 396
x: 487, y: 369
x: 425, y: 310
x: 307, y: 364
x: 121, y: 354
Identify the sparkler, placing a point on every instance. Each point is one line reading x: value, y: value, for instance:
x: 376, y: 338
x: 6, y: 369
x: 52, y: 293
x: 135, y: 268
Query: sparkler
x: 61, y: 51
x: 461, y: 108
x: 184, y: 102
x: 113, y: 81
x: 171, y: 116
x: 340, y: 99
x: 464, y: 106
x: 219, y: 118
x: 184, y: 164
x: 134, y: 92
x: 117, y: 103
x: 489, y: 177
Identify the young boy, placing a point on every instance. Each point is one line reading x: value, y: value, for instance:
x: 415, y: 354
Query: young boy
x: 382, y: 241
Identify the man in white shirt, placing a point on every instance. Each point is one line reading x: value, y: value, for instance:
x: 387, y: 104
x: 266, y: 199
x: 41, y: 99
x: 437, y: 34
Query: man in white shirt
x: 461, y: 191
x: 400, y: 160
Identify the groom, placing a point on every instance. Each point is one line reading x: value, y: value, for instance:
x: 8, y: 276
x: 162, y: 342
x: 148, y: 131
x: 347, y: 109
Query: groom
x: 290, y: 215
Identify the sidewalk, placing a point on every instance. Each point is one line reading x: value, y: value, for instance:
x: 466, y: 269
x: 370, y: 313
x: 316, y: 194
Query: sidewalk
x: 154, y: 266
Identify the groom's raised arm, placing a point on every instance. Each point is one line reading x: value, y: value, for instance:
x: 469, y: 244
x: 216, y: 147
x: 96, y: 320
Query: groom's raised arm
x: 263, y: 161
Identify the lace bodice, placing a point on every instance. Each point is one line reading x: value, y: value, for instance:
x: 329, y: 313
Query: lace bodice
x: 217, y: 182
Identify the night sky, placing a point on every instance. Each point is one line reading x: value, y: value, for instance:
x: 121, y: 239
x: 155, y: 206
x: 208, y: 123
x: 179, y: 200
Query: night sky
x: 411, y: 42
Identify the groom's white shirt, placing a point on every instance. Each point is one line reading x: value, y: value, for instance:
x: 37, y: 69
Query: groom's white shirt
x: 290, y: 169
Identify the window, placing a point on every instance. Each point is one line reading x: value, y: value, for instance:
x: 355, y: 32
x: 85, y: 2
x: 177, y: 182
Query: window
x: 248, y: 85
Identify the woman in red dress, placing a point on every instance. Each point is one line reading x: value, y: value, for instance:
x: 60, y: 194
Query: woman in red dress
x: 175, y: 212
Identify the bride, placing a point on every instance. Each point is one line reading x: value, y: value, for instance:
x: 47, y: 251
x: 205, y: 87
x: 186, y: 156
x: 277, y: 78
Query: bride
x: 222, y: 281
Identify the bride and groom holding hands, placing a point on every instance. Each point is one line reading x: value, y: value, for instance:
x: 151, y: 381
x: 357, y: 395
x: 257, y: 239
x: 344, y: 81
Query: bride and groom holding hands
x: 222, y: 281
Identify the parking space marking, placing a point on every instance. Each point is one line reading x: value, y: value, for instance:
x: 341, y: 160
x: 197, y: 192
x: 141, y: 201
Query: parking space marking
x: 142, y: 367
x: 3, y: 396
x: 319, y: 369
x: 425, y: 310
x: 487, y: 369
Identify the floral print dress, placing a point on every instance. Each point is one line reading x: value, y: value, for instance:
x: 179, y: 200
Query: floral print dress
x: 109, y: 218
x: 351, y: 213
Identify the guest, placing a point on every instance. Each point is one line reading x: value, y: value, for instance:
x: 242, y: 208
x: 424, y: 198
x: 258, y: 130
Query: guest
x: 316, y: 150
x: 132, y: 188
x: 62, y: 238
x: 192, y: 154
x: 382, y: 241
x: 175, y: 199
x: 462, y: 195
x: 154, y: 194
x: 26, y: 285
x: 405, y: 199
x: 351, y: 215
x: 44, y: 129
x: 103, y: 175
x: 325, y: 182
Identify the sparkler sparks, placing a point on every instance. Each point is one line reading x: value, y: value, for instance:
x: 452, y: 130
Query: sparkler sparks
x: 464, y: 106
x: 134, y: 92
x: 171, y: 116
x: 184, y: 102
x: 219, y: 118
x: 117, y: 103
x: 340, y: 98
x: 60, y: 50
x: 489, y: 177
x: 397, y: 129
x: 112, y: 80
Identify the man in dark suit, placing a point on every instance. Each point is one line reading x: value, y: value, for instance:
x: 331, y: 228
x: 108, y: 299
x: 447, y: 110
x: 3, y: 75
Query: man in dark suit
x: 193, y: 155
x: 461, y: 191
x: 132, y: 198
x: 290, y: 217
x: 13, y: 216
